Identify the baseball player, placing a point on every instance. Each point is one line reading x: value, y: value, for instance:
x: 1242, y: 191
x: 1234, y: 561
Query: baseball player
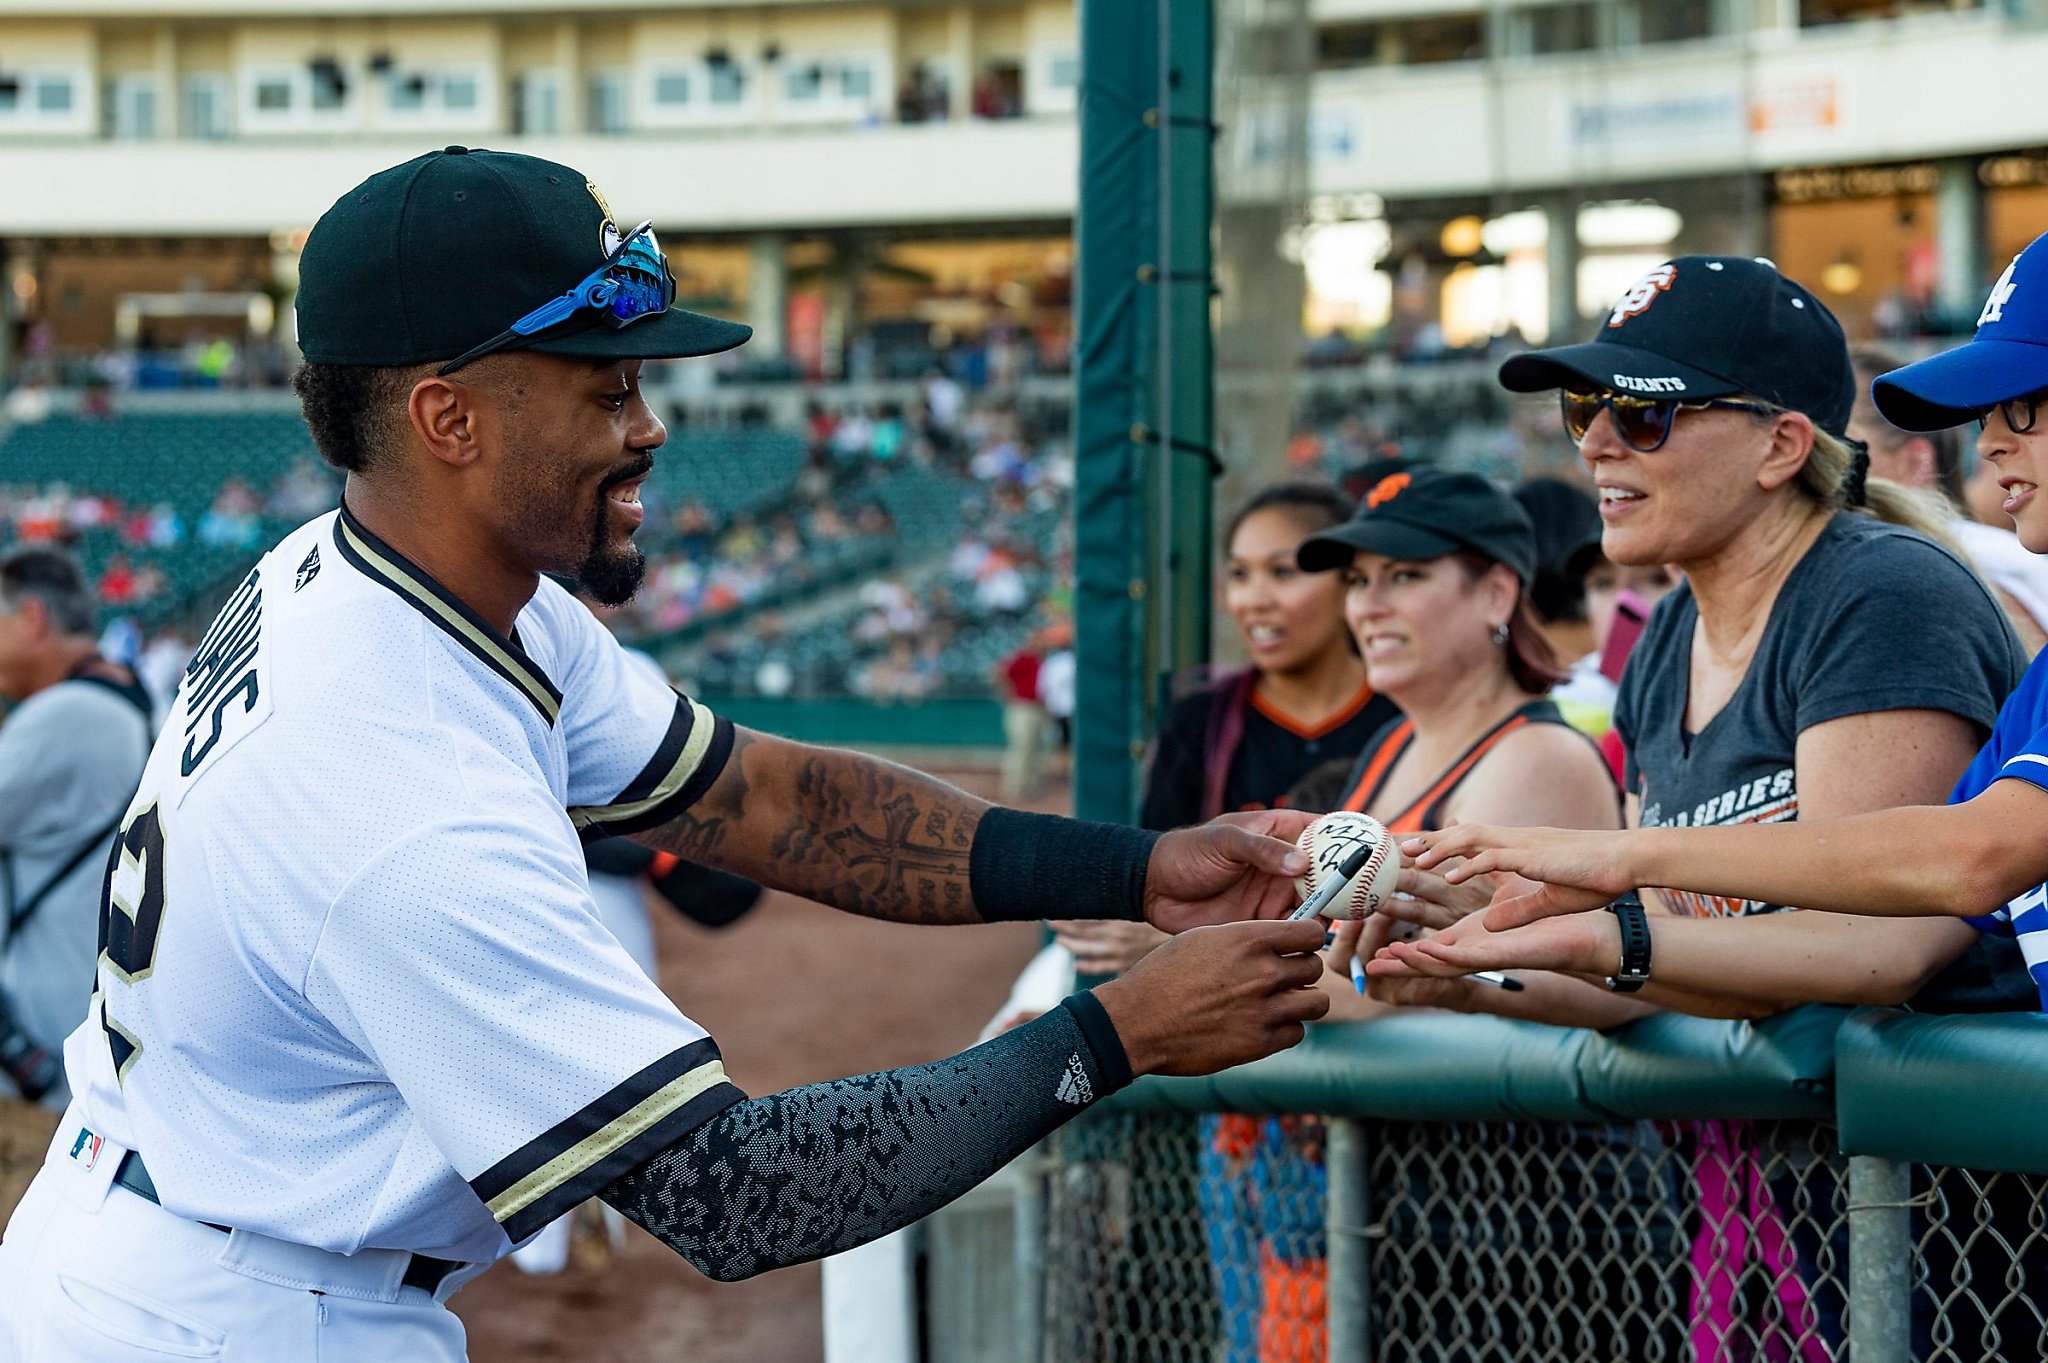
x: 357, y: 1029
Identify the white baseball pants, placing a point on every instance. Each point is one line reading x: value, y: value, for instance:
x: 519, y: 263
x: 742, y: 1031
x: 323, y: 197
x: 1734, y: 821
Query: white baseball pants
x: 92, y: 1273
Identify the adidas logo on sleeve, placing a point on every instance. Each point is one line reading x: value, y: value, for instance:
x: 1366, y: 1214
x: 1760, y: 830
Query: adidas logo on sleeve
x: 1074, y: 1086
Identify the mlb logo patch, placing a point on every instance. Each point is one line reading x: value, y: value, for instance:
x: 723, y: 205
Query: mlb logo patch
x: 86, y: 1149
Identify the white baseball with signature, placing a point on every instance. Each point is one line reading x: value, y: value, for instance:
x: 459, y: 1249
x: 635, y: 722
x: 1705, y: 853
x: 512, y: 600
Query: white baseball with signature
x: 1329, y: 841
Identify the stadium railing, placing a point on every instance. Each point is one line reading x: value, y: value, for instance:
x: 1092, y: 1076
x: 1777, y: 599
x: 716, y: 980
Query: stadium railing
x: 1815, y: 1187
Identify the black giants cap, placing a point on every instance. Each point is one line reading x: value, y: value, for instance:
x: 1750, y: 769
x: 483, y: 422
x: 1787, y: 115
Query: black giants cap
x: 1703, y: 327
x: 1427, y: 513
x: 429, y: 259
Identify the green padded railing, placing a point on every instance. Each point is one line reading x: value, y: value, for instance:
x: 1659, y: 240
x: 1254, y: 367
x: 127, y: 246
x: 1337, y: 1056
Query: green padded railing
x: 1441, y: 1068
x: 1970, y: 1091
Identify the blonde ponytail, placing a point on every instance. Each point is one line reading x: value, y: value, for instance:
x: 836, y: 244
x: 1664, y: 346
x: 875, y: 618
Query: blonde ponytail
x: 1836, y: 472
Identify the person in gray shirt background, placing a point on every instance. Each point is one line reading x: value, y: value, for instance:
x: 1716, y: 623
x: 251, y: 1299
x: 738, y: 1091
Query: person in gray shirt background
x: 72, y: 748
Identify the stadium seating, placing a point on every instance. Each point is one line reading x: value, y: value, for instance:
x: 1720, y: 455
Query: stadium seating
x: 181, y: 459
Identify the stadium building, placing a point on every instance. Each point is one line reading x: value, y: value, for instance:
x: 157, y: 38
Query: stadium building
x: 864, y: 182
x: 886, y: 191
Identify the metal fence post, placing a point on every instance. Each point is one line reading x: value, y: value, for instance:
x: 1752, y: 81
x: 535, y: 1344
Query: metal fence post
x: 1349, y: 1212
x: 1029, y: 1229
x: 1880, y: 1261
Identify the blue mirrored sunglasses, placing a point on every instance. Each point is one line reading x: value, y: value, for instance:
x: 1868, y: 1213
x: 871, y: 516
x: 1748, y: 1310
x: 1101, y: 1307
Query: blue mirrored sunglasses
x: 634, y: 282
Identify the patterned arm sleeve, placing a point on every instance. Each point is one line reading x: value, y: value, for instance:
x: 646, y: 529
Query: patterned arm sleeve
x: 795, y: 1176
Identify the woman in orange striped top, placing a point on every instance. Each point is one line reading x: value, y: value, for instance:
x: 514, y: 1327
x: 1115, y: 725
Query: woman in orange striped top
x: 1436, y: 567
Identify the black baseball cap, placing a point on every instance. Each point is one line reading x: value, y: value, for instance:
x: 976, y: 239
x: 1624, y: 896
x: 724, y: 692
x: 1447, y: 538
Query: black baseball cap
x: 428, y: 259
x: 1426, y: 513
x: 1701, y: 327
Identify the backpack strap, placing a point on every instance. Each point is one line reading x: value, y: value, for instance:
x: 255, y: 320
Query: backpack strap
x: 1225, y: 732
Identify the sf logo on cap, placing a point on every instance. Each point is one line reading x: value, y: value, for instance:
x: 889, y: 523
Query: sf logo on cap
x: 1641, y: 294
x: 1386, y: 489
x: 2001, y: 294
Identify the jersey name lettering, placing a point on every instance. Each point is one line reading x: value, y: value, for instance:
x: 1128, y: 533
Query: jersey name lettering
x: 221, y: 670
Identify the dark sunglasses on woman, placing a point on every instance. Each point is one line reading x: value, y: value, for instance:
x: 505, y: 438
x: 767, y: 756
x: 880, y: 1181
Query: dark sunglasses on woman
x: 1643, y: 424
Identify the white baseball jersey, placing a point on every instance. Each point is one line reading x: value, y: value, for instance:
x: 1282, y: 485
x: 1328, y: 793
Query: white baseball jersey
x: 352, y: 990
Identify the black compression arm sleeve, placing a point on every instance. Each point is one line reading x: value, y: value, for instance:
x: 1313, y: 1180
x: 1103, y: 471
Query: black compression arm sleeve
x: 1026, y: 866
x: 795, y: 1176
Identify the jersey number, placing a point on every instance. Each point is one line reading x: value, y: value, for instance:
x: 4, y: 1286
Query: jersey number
x: 131, y: 917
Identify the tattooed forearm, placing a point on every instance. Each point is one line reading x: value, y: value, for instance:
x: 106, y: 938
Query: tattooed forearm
x: 840, y: 827
x: 699, y: 833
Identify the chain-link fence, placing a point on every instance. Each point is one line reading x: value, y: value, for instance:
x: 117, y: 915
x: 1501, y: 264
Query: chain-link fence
x: 1980, y: 1266
x: 1208, y: 1239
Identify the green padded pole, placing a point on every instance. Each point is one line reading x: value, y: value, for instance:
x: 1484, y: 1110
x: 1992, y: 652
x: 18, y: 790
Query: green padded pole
x: 1143, y: 377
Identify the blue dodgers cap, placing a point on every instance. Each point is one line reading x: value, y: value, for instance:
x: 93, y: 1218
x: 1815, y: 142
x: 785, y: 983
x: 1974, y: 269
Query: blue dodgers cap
x: 2007, y: 358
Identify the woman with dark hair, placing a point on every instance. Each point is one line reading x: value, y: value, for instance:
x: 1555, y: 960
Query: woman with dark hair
x: 1241, y: 742
x: 1436, y: 569
x: 1248, y: 735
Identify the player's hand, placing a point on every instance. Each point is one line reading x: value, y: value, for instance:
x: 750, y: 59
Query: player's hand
x: 1583, y: 943
x: 1562, y: 870
x: 1106, y: 946
x: 1238, y: 867
x: 1218, y: 996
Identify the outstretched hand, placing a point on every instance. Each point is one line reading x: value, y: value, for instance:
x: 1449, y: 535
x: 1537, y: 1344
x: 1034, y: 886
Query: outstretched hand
x: 1238, y: 867
x: 1585, y: 943
x: 1552, y: 871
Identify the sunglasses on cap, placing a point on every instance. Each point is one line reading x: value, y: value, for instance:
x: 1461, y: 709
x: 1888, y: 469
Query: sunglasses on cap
x: 2020, y: 413
x: 634, y: 282
x: 1643, y: 424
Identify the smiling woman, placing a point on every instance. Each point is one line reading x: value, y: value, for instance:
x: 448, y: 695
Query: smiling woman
x: 1436, y: 567
x: 1245, y: 739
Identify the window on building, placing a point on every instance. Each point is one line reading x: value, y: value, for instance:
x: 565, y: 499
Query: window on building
x: 803, y: 83
x: 856, y: 81
x: 1813, y: 13
x: 1545, y: 29
x: 329, y: 84
x: 607, y: 103
x: 131, y: 107
x: 1402, y: 42
x: 204, y: 107
x: 1063, y: 72
x: 53, y: 94
x: 536, y: 104
x: 458, y: 92
x: 672, y: 88
x: 408, y: 93
x: 10, y: 94
x: 1675, y: 21
x: 728, y: 82
x: 273, y: 95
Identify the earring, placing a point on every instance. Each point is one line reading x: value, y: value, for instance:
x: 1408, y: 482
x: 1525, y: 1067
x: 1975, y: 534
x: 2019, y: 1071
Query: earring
x: 1500, y: 634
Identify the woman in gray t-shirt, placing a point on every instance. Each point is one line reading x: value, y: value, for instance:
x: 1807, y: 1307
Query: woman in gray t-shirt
x: 1818, y: 662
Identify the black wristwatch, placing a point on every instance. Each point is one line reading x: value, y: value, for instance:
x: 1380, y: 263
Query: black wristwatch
x: 1635, y: 944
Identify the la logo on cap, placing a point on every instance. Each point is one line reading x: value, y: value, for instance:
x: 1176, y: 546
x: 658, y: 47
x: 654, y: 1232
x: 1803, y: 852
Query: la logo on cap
x: 1386, y: 489
x: 2001, y: 294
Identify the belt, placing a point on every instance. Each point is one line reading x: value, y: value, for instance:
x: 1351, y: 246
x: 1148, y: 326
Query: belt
x: 423, y: 1272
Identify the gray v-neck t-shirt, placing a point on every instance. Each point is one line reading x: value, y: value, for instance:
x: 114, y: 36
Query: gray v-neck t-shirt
x: 1874, y: 617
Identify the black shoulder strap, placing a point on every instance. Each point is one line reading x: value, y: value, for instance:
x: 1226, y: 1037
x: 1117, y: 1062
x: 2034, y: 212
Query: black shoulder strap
x: 18, y: 918
x: 19, y: 914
